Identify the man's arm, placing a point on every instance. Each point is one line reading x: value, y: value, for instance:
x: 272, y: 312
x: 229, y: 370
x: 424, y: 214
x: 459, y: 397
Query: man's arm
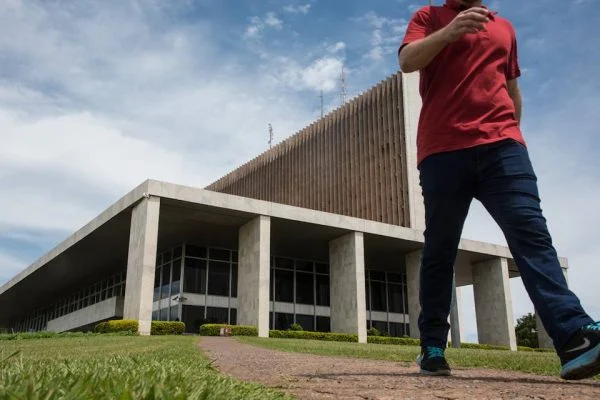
x: 515, y: 94
x: 417, y: 54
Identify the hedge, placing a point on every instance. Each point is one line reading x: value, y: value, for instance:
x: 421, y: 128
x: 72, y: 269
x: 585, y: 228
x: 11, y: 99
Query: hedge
x: 167, y: 328
x: 404, y: 341
x: 236, y: 330
x: 156, y: 327
x: 327, y: 336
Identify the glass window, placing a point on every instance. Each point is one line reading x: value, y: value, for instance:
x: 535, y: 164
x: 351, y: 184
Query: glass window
x: 378, y: 296
x: 271, y: 283
x: 305, y: 288
x: 323, y: 324
x: 174, y: 316
x: 234, y: 280
x: 166, y: 281
x: 381, y: 326
x: 283, y: 321
x: 159, y: 259
x: 304, y: 266
x: 397, y: 329
x: 177, y: 252
x: 217, y: 315
x: 271, y: 320
x: 377, y: 275
x: 219, y: 254
x: 284, y: 286
x: 396, y: 278
x: 322, y: 290
x: 164, y: 314
x: 322, y: 268
x: 166, y: 256
x: 233, y: 316
x: 286, y: 263
x: 194, y: 276
x: 234, y: 256
x: 306, y: 321
x: 193, y: 317
x: 157, y: 275
x: 395, y: 300
x: 176, y: 281
x: 218, y: 278
x: 195, y: 251
x: 154, y: 315
x: 367, y: 295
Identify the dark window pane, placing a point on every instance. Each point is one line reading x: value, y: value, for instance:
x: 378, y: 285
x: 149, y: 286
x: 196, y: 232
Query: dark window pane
x: 378, y: 301
x: 271, y: 320
x: 367, y: 296
x: 164, y: 314
x: 234, y: 256
x: 284, y: 286
x: 234, y: 280
x: 157, y: 275
x: 194, y: 280
x: 193, y: 317
x: 306, y: 321
x: 174, y: 314
x: 195, y: 251
x: 158, y: 259
x: 397, y: 329
x: 167, y: 256
x: 166, y: 281
x: 377, y: 275
x: 216, y: 315
x: 176, y: 281
x: 219, y: 254
x: 322, y: 290
x: 283, y: 321
x: 304, y: 288
x: 322, y: 268
x: 395, y: 300
x: 323, y: 324
x: 218, y: 278
x: 396, y: 278
x: 285, y: 263
x: 154, y: 315
x: 381, y: 326
x: 407, y: 329
x: 233, y: 316
x: 177, y: 252
x: 304, y: 266
x: 271, y: 283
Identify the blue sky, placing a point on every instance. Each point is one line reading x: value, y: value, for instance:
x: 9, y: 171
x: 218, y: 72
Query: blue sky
x: 95, y: 97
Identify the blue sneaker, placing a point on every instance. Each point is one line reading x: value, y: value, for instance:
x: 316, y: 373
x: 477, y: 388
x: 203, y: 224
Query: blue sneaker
x: 580, y: 358
x: 432, y: 361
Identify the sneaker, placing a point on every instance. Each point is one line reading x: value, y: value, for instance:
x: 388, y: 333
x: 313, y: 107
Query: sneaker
x: 580, y: 358
x: 432, y: 361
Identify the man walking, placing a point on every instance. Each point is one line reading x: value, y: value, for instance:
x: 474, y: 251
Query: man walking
x: 470, y: 146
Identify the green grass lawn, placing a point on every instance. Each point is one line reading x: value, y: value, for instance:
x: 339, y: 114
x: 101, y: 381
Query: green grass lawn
x: 113, y: 367
x: 530, y: 362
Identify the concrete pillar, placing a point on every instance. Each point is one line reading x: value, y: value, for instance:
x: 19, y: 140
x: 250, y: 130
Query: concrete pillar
x: 411, y: 104
x: 253, y: 274
x: 493, y: 303
x: 456, y: 331
x: 141, y: 263
x: 347, y: 285
x: 413, y: 281
x: 544, y: 340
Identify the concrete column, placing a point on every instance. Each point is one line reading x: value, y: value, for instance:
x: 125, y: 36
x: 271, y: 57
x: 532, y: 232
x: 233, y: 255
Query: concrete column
x: 456, y: 331
x: 253, y: 274
x: 544, y: 340
x: 411, y: 104
x: 347, y: 285
x: 413, y: 270
x: 141, y: 263
x: 493, y: 303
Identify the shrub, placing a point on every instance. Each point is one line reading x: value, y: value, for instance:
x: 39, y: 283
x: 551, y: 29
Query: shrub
x: 404, y: 341
x: 296, y: 327
x: 167, y: 328
x: 236, y: 330
x: 124, y: 325
x: 334, y: 337
x: 373, y: 332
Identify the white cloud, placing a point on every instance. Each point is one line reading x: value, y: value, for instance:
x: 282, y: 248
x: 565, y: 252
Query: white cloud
x: 321, y: 74
x: 258, y: 25
x: 386, y: 35
x: 337, y: 47
x: 300, y: 9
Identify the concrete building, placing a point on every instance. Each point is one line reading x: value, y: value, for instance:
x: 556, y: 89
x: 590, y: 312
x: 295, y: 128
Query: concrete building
x: 324, y: 230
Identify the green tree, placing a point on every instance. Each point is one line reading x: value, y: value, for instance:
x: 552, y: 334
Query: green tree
x: 526, y: 331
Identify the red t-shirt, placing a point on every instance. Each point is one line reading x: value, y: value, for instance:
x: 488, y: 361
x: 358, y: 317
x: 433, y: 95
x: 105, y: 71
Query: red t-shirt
x: 464, y: 89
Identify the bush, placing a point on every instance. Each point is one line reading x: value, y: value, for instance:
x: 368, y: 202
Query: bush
x: 327, y: 336
x: 121, y: 325
x: 296, y: 327
x: 236, y: 330
x: 373, y: 332
x: 403, y: 341
x: 167, y: 328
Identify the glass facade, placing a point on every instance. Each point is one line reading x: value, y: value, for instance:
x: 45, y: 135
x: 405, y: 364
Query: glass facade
x: 167, y: 285
x: 387, y: 296
x: 105, y: 289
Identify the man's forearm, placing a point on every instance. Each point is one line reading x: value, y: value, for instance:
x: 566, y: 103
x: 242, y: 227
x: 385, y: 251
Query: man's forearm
x: 418, y: 54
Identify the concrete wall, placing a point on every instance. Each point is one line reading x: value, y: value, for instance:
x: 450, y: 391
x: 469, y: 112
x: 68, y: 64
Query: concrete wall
x: 493, y: 303
x: 141, y: 263
x: 351, y: 162
x: 347, y: 285
x: 109, y: 308
x: 253, y: 274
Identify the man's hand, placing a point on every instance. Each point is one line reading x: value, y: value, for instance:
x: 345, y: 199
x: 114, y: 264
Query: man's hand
x: 471, y: 20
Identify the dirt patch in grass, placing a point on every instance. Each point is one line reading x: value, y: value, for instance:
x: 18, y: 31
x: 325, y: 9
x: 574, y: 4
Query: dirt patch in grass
x: 320, y: 377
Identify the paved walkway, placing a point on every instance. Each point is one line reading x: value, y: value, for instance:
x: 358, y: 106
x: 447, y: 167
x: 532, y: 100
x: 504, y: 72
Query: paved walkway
x: 319, y: 377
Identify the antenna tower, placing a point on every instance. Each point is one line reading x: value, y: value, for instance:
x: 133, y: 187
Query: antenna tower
x: 270, y: 136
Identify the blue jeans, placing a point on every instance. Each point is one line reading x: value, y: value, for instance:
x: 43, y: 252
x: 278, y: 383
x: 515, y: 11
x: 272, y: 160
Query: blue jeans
x: 501, y: 176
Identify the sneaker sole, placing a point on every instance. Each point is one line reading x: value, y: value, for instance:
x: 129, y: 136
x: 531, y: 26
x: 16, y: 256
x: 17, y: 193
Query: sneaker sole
x: 584, y: 366
x: 443, y: 372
